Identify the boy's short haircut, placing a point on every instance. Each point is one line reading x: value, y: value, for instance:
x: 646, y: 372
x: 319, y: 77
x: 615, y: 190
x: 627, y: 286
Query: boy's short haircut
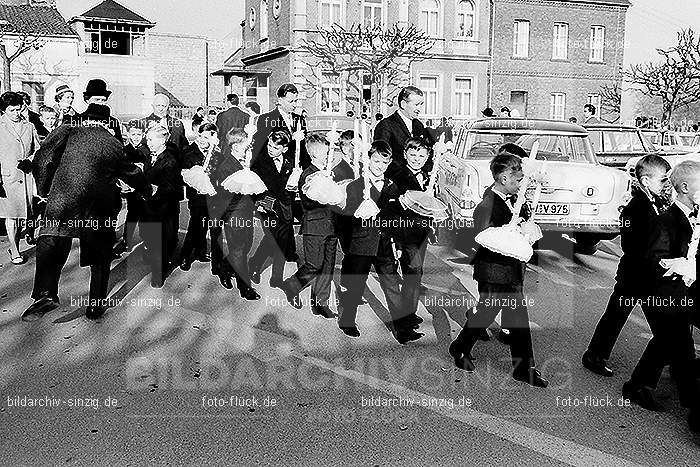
x: 347, y: 135
x: 133, y: 124
x: 280, y: 138
x: 46, y: 109
x: 380, y: 148
x: 416, y: 143
x: 159, y: 130
x: 207, y: 127
x: 683, y: 172
x: 316, y: 138
x: 512, y: 149
x: 235, y: 135
x: 648, y: 164
x: 505, y: 161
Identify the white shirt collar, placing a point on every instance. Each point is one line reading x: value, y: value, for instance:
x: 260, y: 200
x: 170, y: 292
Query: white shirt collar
x: 406, y: 120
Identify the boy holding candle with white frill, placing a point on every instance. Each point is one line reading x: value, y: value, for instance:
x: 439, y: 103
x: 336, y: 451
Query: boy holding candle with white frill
x: 500, y: 277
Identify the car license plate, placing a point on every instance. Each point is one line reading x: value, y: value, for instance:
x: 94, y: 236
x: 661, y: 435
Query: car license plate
x: 552, y: 209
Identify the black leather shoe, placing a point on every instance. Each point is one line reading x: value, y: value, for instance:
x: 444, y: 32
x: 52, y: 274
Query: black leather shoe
x: 532, y: 377
x: 293, y: 298
x: 504, y: 336
x: 226, y: 282
x: 463, y: 362
x: 406, y: 336
x: 203, y: 258
x: 156, y: 282
x: 642, y: 396
x: 276, y: 284
x: 94, y: 312
x: 186, y: 264
x: 255, y: 277
x: 39, y: 308
x: 249, y: 293
x: 351, y: 331
x: 413, y: 319
x: 323, y: 311
x: 596, y: 364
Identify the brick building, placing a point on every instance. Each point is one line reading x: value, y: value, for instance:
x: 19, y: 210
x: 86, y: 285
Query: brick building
x: 550, y: 57
x: 528, y: 54
x: 455, y: 79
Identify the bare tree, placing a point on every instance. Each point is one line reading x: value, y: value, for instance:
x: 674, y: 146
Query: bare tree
x: 22, y: 42
x: 676, y: 79
x: 611, y: 99
x: 383, y: 55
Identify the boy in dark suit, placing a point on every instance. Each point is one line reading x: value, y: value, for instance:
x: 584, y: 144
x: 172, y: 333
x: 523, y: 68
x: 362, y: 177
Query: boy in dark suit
x: 370, y: 244
x: 412, y: 235
x: 136, y: 151
x: 160, y: 219
x: 274, y: 164
x: 320, y: 242
x: 194, y: 247
x: 637, y: 222
x: 235, y: 212
x: 499, y: 277
x: 669, y: 306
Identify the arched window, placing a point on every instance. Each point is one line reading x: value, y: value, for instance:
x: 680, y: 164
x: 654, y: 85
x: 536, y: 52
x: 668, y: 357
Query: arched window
x: 263, y: 19
x: 466, y: 15
x: 430, y: 17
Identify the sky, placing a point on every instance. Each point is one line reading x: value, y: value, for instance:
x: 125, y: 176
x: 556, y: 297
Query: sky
x: 650, y: 23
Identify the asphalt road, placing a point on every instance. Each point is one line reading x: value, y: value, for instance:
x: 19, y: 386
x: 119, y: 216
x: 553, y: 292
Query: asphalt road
x: 193, y: 374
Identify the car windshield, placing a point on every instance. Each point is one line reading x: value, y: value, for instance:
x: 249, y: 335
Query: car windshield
x: 621, y: 141
x: 552, y: 147
x: 652, y: 136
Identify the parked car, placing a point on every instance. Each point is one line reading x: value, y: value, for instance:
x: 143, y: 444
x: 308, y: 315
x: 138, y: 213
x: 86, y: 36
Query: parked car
x: 614, y: 145
x: 583, y: 198
x: 669, y: 142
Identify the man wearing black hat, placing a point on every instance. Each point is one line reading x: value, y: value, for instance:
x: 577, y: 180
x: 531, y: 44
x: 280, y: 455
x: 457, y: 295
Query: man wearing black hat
x: 76, y: 170
x: 96, y: 93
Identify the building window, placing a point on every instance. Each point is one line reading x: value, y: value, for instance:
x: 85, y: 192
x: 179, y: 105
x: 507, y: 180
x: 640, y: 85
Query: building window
x: 465, y: 19
x: 372, y: 12
x: 430, y: 14
x: 263, y: 19
x: 557, y: 106
x: 463, y: 97
x: 560, y: 42
x: 594, y: 99
x: 330, y: 93
x: 521, y: 38
x: 330, y: 13
x: 597, y: 43
x: 430, y: 87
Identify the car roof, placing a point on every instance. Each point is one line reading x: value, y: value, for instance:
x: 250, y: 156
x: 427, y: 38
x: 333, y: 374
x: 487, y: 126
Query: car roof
x: 611, y: 126
x: 525, y: 126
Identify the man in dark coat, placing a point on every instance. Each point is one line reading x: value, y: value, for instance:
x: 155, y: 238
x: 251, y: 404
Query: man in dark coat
x: 77, y: 169
x: 232, y: 215
x: 159, y: 224
x: 403, y: 124
x: 96, y: 93
x: 274, y: 165
x: 234, y: 117
x: 283, y: 118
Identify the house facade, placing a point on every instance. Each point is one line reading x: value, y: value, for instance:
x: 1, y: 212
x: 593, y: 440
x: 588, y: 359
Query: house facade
x: 525, y: 54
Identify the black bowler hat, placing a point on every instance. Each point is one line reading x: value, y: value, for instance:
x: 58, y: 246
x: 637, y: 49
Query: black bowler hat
x: 96, y: 87
x: 97, y: 112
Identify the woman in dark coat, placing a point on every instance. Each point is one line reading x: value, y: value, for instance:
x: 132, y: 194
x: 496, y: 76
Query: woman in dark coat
x: 77, y: 169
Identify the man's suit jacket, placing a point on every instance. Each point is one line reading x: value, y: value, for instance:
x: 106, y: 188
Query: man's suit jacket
x: 231, y: 118
x: 365, y: 238
x: 416, y: 227
x: 177, y: 131
x: 164, y: 173
x: 275, y: 181
x: 489, y: 266
x: 273, y: 121
x: 670, y: 240
x: 393, y: 130
x: 343, y: 171
x: 638, y: 221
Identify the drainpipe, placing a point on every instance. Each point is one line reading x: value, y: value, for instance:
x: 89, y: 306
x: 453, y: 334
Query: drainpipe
x: 492, y: 20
